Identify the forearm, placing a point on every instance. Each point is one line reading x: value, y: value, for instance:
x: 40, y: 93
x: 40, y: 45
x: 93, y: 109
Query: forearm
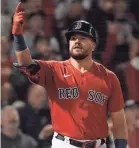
x: 22, y: 52
x: 120, y: 130
x: 24, y: 57
x: 120, y: 135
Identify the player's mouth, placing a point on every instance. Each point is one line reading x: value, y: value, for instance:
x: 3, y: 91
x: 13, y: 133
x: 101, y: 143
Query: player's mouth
x: 77, y: 47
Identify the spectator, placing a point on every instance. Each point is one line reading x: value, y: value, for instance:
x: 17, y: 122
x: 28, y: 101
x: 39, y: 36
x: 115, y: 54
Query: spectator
x: 137, y: 113
x: 134, y: 9
x: 100, y: 12
x: 11, y: 136
x: 6, y: 60
x: 32, y: 6
x: 49, y: 20
x: 35, y: 115
x: 46, y: 48
x: 20, y: 84
x: 10, y: 5
x: 8, y: 95
x: 128, y: 75
x: 132, y: 78
x: 122, y: 40
x: 130, y: 113
x: 75, y: 13
x: 61, y: 11
x: 34, y: 27
x: 108, y: 52
x: 118, y: 44
x: 5, y: 22
x: 124, y: 33
x: 42, y: 48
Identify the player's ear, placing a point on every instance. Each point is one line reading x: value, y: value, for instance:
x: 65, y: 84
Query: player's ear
x: 93, y: 46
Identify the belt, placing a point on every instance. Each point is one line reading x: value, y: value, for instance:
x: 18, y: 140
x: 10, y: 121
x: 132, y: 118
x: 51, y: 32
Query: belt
x: 90, y: 144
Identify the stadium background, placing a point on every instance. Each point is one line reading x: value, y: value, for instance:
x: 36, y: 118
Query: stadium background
x: 117, y: 24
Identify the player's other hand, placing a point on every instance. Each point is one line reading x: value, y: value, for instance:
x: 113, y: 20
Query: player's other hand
x: 18, y: 20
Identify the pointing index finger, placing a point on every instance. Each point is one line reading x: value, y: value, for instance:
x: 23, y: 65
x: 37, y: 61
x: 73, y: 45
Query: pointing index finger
x: 18, y: 8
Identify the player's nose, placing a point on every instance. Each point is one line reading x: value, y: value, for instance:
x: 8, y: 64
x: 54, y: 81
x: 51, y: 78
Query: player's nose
x: 77, y: 40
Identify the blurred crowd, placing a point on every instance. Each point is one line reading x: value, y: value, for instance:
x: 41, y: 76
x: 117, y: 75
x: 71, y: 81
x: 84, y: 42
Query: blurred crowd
x: 26, y: 119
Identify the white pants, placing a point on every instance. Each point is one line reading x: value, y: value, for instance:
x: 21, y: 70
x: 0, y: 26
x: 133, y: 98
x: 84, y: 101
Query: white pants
x: 57, y: 143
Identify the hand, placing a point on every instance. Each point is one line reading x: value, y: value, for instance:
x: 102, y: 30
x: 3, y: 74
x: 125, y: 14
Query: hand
x: 46, y: 131
x: 18, y: 20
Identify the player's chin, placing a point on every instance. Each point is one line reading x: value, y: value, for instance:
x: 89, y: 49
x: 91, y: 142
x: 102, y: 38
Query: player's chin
x: 78, y: 50
x: 78, y: 56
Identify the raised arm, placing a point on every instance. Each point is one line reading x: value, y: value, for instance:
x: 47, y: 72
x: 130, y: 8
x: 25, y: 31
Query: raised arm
x: 22, y: 52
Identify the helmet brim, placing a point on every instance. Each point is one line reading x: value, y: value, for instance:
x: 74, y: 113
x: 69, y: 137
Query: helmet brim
x: 70, y: 33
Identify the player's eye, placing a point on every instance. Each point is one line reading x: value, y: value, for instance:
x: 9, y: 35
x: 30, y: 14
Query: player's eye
x: 83, y: 38
x: 73, y: 38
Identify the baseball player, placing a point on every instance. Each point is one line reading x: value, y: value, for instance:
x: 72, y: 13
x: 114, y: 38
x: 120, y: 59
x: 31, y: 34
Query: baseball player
x: 81, y: 91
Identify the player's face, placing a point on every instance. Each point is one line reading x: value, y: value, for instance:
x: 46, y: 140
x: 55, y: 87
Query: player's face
x: 80, y: 46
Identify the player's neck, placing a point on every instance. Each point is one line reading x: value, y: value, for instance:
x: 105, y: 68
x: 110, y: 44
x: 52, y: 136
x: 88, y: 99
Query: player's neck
x: 82, y: 65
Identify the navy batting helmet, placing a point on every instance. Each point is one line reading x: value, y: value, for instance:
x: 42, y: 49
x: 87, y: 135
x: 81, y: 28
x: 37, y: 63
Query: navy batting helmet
x: 82, y: 27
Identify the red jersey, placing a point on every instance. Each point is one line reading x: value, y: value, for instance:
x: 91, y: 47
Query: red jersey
x: 80, y: 102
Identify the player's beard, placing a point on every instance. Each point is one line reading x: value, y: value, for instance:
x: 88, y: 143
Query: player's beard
x: 78, y: 56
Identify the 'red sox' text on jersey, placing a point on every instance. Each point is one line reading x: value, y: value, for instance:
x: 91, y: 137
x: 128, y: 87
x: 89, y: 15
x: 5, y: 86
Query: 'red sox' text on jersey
x: 79, y: 102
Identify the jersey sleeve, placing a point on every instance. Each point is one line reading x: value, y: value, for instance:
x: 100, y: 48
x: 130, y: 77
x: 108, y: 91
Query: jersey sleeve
x: 116, y: 101
x: 40, y: 73
x: 45, y: 73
